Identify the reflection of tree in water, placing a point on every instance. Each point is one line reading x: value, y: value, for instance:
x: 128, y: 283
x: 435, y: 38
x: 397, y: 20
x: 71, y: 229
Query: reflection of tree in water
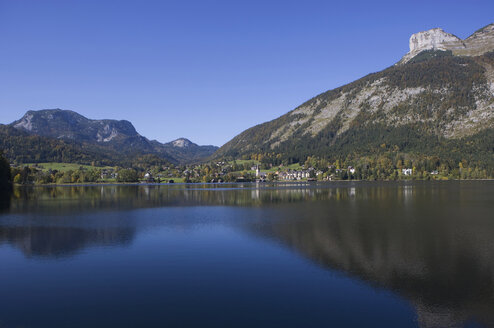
x: 36, y: 239
x: 76, y: 199
x: 432, y: 246
x: 41, y: 238
x: 4, y: 202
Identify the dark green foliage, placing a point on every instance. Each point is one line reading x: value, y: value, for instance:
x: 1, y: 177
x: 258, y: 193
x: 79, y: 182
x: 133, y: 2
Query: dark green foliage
x: 34, y: 175
x: 127, y: 175
x: 463, y: 77
x: 21, y: 147
x: 5, y: 176
x: 23, y: 175
x: 428, y: 54
x: 489, y: 55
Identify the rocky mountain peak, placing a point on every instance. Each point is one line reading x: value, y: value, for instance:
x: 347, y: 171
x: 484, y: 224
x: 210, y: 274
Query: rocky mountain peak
x: 477, y: 44
x: 434, y: 39
x: 181, y: 143
x: 67, y: 124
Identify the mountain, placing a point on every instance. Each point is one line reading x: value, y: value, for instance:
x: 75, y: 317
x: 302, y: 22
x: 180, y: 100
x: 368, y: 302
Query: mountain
x: 71, y: 126
x: 185, y: 151
x: 19, y: 146
x: 107, y: 140
x: 438, y: 100
x: 67, y: 124
x: 480, y: 42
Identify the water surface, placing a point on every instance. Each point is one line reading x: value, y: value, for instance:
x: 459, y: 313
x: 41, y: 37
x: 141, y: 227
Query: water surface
x: 350, y: 254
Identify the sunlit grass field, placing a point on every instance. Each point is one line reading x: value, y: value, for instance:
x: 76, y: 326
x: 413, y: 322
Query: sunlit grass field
x: 63, y: 167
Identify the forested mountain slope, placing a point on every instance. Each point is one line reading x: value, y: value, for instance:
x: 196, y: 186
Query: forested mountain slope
x: 65, y: 136
x: 435, y: 101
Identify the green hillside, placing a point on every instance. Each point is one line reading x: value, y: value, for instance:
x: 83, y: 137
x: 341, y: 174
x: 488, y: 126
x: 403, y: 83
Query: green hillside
x: 364, y: 118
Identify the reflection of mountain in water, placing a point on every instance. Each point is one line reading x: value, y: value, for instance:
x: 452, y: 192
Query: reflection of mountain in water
x: 62, y: 241
x: 60, y: 227
x: 432, y: 245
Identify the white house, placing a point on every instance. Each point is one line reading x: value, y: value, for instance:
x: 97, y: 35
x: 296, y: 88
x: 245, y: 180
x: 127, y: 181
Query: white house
x: 148, y: 177
x: 293, y: 175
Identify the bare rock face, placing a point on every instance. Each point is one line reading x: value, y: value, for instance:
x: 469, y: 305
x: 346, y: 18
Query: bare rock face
x: 181, y: 143
x: 480, y: 42
x: 435, y: 39
x: 477, y: 44
x: 69, y: 125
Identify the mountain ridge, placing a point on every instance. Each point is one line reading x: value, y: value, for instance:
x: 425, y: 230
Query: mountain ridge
x: 115, y: 135
x: 435, y: 95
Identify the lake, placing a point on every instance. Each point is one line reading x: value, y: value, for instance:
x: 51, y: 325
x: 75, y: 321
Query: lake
x: 340, y: 254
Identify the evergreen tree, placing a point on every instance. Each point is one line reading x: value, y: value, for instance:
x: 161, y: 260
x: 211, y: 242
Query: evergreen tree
x: 5, y: 176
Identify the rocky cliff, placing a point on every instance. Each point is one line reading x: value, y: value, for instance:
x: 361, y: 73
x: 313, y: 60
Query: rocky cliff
x: 69, y: 125
x: 477, y: 44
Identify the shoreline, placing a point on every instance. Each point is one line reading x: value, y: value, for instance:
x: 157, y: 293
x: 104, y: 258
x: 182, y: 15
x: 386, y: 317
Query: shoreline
x: 232, y: 183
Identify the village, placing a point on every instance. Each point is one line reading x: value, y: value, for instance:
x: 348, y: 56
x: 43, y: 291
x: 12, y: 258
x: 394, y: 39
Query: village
x: 219, y: 172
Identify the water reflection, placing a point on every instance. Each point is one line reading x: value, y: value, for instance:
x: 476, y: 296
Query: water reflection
x: 77, y: 199
x: 53, y: 221
x: 35, y: 241
x: 431, y: 243
x: 4, y: 201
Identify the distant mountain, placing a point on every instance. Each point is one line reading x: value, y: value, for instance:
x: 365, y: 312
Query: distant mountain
x: 21, y: 147
x: 105, y: 137
x: 185, y: 151
x: 67, y: 124
x: 438, y: 100
x: 71, y: 126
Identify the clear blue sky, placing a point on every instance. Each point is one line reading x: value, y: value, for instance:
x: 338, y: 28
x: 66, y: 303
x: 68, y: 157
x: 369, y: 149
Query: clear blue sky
x: 205, y: 70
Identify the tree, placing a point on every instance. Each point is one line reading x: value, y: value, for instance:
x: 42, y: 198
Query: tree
x: 127, y: 175
x: 5, y: 176
x: 18, y: 178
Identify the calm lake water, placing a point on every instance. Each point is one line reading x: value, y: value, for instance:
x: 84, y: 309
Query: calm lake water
x: 296, y: 255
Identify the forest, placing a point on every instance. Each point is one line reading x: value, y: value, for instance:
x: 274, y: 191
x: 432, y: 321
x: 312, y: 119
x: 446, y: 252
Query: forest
x: 19, y: 148
x: 369, y: 133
